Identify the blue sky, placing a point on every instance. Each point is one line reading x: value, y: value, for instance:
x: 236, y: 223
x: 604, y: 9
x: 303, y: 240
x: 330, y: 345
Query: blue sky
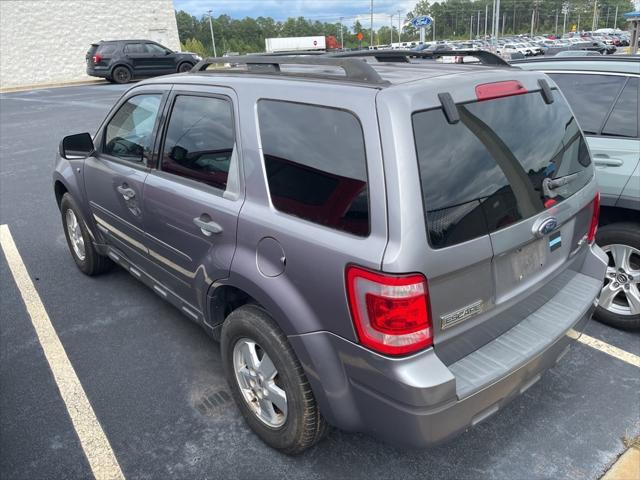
x: 322, y: 10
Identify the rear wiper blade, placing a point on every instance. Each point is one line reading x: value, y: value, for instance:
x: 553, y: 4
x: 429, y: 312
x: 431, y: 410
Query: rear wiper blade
x: 549, y: 184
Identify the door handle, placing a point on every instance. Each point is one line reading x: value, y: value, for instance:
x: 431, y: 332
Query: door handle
x: 126, y: 192
x: 206, y: 225
x: 604, y: 160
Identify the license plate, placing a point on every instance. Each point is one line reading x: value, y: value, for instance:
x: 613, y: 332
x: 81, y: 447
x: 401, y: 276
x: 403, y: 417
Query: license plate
x: 528, y: 259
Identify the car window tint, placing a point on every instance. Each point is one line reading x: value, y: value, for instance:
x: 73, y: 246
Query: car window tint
x: 155, y: 49
x: 129, y: 133
x: 106, y: 49
x: 134, y: 48
x: 316, y: 165
x: 590, y: 96
x: 200, y: 140
x: 623, y: 121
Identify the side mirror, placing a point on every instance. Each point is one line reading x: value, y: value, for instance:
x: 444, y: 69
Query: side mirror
x: 79, y: 145
x: 168, y: 52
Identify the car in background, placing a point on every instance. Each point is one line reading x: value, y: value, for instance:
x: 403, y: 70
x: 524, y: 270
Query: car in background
x: 578, y: 53
x: 120, y: 61
x: 603, y: 93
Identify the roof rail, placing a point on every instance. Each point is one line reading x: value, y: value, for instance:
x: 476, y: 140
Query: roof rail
x: 485, y: 57
x: 355, y: 70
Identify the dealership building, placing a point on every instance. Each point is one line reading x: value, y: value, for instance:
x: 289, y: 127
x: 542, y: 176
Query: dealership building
x: 45, y: 41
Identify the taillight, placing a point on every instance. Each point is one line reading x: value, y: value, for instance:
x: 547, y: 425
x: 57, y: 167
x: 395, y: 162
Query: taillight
x: 489, y: 91
x: 391, y: 313
x: 595, y: 216
x: 97, y: 58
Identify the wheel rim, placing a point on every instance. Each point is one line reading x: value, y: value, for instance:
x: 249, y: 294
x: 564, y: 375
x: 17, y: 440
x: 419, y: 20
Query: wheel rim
x: 75, y: 234
x: 185, y: 68
x: 620, y: 293
x: 259, y: 383
x: 122, y: 75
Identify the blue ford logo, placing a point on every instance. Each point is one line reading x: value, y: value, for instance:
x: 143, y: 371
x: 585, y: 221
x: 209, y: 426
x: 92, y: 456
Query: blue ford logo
x: 546, y: 226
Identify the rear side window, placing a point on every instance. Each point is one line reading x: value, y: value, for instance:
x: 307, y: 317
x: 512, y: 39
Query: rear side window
x: 623, y: 121
x: 200, y: 140
x: 494, y: 167
x: 590, y: 96
x: 315, y: 162
x: 107, y: 49
x: 134, y: 48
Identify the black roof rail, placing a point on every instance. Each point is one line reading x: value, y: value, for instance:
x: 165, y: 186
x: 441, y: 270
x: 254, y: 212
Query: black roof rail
x: 355, y: 70
x: 485, y: 57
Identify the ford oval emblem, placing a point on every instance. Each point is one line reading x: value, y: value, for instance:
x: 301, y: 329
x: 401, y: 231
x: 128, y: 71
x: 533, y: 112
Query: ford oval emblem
x: 545, y: 226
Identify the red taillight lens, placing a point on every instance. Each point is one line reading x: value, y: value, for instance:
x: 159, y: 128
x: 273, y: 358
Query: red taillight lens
x: 390, y: 312
x: 97, y: 58
x: 489, y: 91
x: 595, y: 216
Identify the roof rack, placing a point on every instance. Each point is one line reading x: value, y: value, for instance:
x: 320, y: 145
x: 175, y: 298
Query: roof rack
x: 355, y: 70
x: 485, y: 57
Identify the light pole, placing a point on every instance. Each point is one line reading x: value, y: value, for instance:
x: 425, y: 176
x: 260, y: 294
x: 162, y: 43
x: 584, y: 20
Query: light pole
x: 213, y: 39
x: 371, y: 24
x: 399, y: 28
x: 486, y: 17
x: 565, y: 10
x: 391, y: 25
x: 341, y: 34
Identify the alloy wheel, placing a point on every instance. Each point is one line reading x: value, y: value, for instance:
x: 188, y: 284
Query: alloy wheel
x: 620, y: 293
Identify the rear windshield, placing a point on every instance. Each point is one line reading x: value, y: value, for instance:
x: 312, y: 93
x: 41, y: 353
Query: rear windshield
x: 501, y: 163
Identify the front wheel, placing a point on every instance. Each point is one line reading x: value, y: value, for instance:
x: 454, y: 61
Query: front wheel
x: 88, y: 260
x: 619, y: 302
x: 268, y: 383
x: 184, y: 67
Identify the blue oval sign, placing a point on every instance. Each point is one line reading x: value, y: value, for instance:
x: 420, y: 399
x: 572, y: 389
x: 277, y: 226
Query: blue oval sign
x: 421, y: 21
x: 548, y: 225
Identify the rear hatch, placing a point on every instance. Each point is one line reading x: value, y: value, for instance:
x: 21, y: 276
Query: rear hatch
x: 503, y: 180
x: 99, y: 54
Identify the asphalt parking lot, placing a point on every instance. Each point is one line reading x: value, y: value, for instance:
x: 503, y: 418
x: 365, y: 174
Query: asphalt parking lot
x: 155, y: 381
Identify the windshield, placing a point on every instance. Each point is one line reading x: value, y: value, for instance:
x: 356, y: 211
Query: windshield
x: 498, y: 165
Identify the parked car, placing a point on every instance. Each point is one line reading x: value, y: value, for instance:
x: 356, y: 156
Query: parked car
x: 400, y: 250
x: 120, y: 61
x: 603, y: 92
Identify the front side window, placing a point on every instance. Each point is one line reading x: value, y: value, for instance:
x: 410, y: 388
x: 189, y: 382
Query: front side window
x: 316, y: 165
x: 155, y: 49
x: 129, y: 133
x: 200, y: 140
x: 590, y: 96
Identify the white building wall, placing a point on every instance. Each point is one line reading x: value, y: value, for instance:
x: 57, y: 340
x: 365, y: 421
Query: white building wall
x: 45, y: 41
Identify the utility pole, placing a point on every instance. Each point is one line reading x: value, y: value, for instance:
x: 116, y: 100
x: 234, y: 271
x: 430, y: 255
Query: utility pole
x: 433, y: 27
x: 399, y: 28
x: 615, y: 20
x: 565, y: 10
x: 486, y: 17
x: 371, y: 41
x: 497, y: 19
x: 595, y: 12
x: 213, y: 39
x: 578, y: 28
x: 341, y: 34
x: 478, y: 25
x: 471, y: 28
x: 391, y: 22
x: 556, y: 30
x: 504, y: 18
x: 493, y: 22
x: 514, y: 18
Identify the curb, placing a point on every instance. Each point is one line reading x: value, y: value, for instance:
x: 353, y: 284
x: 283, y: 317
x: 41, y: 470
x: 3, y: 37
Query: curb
x: 37, y: 86
x: 627, y: 467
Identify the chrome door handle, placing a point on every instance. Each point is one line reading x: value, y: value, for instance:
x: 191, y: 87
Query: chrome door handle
x: 206, y: 225
x: 604, y: 160
x: 126, y: 192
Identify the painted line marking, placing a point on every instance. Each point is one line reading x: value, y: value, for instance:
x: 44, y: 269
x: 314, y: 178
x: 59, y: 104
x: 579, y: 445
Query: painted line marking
x: 95, y: 444
x: 610, y: 350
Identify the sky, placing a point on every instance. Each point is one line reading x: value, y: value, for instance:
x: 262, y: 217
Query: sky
x: 322, y: 10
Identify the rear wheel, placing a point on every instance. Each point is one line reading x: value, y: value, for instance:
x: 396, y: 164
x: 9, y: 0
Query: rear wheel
x: 184, y: 67
x: 88, y: 260
x: 122, y: 75
x: 619, y: 302
x: 268, y: 383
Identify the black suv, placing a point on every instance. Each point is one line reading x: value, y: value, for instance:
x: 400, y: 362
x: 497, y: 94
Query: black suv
x: 120, y: 60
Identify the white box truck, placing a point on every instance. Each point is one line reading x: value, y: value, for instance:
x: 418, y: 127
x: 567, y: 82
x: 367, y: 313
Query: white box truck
x: 291, y: 44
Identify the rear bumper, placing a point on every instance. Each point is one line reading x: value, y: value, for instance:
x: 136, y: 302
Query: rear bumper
x: 419, y: 401
x: 101, y: 72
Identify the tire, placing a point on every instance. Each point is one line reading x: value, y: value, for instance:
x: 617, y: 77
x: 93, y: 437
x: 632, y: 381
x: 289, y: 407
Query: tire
x: 184, y: 67
x: 121, y: 74
x: 624, y: 310
x: 290, y: 431
x: 88, y: 260
x: 110, y: 79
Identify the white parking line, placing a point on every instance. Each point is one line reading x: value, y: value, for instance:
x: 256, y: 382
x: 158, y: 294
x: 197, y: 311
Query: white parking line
x: 95, y: 444
x: 610, y: 350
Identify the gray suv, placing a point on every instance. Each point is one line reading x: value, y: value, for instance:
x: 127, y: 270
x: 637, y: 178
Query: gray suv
x: 603, y: 93
x: 385, y: 246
